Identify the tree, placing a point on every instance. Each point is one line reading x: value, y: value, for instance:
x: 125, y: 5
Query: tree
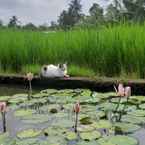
x: 43, y: 27
x: 96, y: 14
x: 74, y: 11
x: 68, y: 18
x: 113, y: 14
x: 115, y: 11
x: 64, y: 20
x: 13, y: 22
x: 1, y: 23
x: 135, y: 10
x: 30, y: 26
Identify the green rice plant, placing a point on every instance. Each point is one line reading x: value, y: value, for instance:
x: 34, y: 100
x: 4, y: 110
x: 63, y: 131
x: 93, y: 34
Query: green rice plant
x: 75, y: 70
x: 107, y: 51
x: 35, y: 69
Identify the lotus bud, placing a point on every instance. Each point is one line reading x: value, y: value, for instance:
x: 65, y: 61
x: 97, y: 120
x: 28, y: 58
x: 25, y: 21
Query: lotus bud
x: 29, y: 76
x: 77, y: 108
x: 3, y: 107
x: 121, y: 90
x: 128, y: 91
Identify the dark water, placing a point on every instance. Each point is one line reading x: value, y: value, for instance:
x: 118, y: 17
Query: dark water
x: 6, y: 90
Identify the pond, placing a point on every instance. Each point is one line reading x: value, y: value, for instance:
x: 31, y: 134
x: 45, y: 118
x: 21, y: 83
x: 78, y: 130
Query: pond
x: 48, y: 118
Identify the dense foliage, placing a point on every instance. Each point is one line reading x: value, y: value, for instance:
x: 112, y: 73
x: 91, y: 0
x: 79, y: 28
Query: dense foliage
x: 109, y: 51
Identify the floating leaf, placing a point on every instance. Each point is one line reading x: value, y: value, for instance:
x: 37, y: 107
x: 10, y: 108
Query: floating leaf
x: 71, y: 136
x: 139, y: 113
x: 29, y: 133
x: 23, y: 112
x: 126, y: 127
x: 86, y: 120
x: 88, y: 136
x: 118, y: 140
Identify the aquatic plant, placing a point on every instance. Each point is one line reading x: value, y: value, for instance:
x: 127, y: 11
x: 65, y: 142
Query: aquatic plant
x: 76, y: 110
x: 3, y: 108
x: 122, y: 92
x: 29, y: 77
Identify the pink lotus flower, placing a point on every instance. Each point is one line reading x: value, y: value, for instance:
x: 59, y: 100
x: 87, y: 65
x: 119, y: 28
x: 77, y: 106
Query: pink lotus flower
x: 3, y: 106
x: 127, y: 91
x: 121, y: 90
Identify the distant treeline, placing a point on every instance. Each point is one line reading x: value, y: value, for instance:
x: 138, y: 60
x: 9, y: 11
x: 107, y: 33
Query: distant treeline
x: 116, y: 12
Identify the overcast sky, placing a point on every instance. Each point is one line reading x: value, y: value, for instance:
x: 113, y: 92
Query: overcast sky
x: 39, y: 11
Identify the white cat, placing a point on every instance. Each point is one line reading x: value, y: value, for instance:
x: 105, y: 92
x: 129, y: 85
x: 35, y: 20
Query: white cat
x: 52, y: 71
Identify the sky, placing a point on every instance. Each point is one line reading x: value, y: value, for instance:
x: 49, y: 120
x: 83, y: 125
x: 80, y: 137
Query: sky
x: 39, y: 11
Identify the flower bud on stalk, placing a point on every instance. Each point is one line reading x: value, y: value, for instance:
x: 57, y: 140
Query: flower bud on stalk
x: 29, y: 77
x: 76, y: 110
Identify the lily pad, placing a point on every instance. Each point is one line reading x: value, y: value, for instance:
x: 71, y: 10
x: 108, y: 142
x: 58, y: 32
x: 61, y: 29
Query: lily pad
x: 55, y: 131
x: 86, y: 120
x: 133, y: 119
x: 142, y: 106
x: 87, y: 143
x: 126, y: 127
x: 18, y: 98
x: 139, y: 113
x: 71, y: 136
x: 102, y: 124
x: 88, y: 136
x: 23, y: 112
x: 4, y: 98
x: 118, y: 140
x: 29, y: 133
x: 35, y: 119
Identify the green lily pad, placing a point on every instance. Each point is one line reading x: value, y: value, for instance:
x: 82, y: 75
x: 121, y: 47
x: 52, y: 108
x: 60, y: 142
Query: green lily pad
x: 126, y: 127
x: 142, y: 106
x: 102, y: 124
x: 55, y: 131
x: 49, y: 91
x: 118, y: 140
x: 139, y: 113
x: 35, y: 119
x: 88, y: 136
x: 28, y: 141
x: 23, y: 112
x: 4, y: 98
x: 122, y: 140
x: 71, y: 136
x: 29, y: 133
x: 39, y: 95
x: 87, y: 143
x: 133, y: 119
x: 86, y: 120
x: 85, y: 128
x: 18, y: 98
x: 4, y: 138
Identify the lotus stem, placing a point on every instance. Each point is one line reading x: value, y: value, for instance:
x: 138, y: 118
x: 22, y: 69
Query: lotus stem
x: 76, y: 122
x: 4, y: 121
x: 30, y: 91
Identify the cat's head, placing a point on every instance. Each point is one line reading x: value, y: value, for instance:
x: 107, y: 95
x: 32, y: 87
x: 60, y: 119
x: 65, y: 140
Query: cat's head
x: 44, y: 68
x: 63, y: 67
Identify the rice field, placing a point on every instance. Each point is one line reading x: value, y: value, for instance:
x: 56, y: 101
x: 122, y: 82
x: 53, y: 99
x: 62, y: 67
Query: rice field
x: 112, y: 51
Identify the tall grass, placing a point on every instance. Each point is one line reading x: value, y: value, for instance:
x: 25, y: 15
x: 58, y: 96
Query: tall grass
x: 109, y: 51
